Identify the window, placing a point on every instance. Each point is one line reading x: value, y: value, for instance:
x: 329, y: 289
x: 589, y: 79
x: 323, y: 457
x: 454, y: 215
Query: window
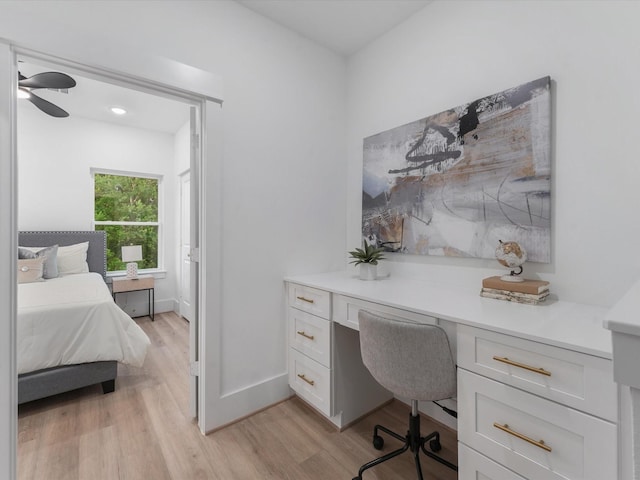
x: 126, y: 207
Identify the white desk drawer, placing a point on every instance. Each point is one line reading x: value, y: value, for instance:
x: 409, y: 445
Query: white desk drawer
x: 312, y: 300
x: 310, y: 380
x: 575, y: 379
x: 310, y: 335
x: 347, y: 308
x: 474, y: 466
x: 581, y: 446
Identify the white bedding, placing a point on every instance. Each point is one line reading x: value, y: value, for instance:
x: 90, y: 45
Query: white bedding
x: 73, y: 319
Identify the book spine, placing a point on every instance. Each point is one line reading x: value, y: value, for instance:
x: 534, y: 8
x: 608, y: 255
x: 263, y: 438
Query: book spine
x: 509, y: 298
x: 517, y: 294
x: 528, y: 286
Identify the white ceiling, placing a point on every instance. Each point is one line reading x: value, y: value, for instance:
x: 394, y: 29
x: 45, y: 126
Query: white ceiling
x: 344, y: 26
x: 92, y: 99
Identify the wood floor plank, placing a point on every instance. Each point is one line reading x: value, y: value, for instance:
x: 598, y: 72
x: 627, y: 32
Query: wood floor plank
x: 182, y: 450
x: 143, y: 431
x: 97, y: 456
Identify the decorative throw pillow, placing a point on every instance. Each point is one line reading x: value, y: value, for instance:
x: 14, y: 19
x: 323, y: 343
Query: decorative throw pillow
x: 49, y: 254
x: 30, y: 270
x: 73, y: 259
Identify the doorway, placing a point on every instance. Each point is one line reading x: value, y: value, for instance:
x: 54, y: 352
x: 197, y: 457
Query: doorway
x: 140, y: 157
x: 135, y: 68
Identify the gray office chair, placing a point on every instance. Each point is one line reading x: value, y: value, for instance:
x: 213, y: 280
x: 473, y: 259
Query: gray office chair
x: 413, y: 361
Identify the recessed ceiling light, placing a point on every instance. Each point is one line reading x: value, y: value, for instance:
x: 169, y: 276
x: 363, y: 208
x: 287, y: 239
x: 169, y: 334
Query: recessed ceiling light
x: 118, y: 110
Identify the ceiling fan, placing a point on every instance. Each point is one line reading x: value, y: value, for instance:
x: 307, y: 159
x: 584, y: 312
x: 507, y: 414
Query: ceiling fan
x: 51, y: 80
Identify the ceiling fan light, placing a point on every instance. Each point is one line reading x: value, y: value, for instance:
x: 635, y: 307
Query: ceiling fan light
x: 22, y: 93
x: 118, y: 110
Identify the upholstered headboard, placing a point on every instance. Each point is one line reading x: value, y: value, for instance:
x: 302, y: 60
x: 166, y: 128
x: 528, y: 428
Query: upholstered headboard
x: 96, y: 254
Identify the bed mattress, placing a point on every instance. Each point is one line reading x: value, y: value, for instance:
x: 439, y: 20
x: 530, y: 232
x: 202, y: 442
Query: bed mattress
x: 73, y: 319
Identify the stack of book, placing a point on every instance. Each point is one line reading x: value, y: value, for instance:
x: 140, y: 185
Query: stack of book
x: 531, y: 292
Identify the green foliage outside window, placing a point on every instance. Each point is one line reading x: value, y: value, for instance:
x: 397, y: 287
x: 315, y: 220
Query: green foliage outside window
x: 127, y: 202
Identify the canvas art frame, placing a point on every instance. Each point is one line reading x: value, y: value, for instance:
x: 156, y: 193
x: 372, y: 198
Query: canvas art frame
x: 457, y: 182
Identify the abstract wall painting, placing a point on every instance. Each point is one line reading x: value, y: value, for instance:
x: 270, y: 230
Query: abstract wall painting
x: 455, y: 183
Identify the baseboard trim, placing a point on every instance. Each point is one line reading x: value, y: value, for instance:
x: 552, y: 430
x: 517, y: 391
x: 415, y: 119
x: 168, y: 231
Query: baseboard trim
x: 133, y: 305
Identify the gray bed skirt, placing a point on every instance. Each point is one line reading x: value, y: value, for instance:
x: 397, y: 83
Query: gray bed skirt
x: 51, y: 381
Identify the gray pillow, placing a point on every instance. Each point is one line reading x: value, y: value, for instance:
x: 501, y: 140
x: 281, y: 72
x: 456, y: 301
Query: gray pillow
x: 50, y: 256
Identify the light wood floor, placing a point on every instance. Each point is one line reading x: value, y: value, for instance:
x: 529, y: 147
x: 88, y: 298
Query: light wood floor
x: 143, y: 431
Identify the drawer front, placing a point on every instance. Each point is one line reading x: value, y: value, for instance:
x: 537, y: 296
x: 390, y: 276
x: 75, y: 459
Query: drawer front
x: 474, y: 466
x: 312, y: 300
x: 516, y: 428
x: 581, y: 381
x: 310, y: 380
x: 347, y: 308
x: 131, y: 285
x: 310, y: 335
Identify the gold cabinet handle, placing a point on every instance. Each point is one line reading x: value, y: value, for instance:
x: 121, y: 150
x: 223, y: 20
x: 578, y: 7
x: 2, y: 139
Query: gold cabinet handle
x: 537, y: 443
x: 310, y: 337
x: 310, y: 382
x: 308, y: 300
x: 541, y: 371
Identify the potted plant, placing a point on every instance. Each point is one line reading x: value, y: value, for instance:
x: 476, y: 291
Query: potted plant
x: 367, y: 258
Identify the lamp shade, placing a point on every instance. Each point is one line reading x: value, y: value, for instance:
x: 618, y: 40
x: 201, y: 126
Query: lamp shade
x: 132, y: 253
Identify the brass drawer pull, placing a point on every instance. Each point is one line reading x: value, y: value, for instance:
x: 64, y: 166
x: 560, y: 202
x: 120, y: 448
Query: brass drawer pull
x: 541, y: 371
x: 310, y: 382
x: 305, y: 299
x: 538, y: 443
x: 310, y: 337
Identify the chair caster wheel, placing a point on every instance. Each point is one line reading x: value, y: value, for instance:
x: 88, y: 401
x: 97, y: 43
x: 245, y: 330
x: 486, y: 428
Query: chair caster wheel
x: 435, y: 445
x: 378, y: 443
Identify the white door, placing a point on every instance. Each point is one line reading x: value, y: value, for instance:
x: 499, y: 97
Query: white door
x: 193, y: 256
x: 185, y: 246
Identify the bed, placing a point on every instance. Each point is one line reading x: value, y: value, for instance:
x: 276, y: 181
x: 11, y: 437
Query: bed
x: 70, y: 333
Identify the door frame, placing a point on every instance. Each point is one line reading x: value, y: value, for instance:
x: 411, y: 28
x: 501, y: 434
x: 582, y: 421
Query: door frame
x: 200, y: 88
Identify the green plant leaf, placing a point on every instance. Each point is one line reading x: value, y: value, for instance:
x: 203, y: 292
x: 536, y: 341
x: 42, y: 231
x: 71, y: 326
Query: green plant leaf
x: 368, y: 254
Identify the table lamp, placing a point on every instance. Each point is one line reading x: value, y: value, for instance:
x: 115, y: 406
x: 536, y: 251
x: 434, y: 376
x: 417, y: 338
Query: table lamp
x: 130, y: 255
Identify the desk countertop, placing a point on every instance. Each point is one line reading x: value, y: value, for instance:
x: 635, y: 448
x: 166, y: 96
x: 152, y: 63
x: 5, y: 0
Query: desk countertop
x: 567, y: 325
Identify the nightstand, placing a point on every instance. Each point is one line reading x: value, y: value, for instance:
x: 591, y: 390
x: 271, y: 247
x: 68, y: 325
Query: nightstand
x: 143, y: 282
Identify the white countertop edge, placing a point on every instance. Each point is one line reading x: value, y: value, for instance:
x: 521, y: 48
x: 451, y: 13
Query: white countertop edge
x: 567, y: 325
x: 624, y: 316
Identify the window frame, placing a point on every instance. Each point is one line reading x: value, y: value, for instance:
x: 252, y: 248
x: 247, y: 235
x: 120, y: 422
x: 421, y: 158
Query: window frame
x: 160, y: 269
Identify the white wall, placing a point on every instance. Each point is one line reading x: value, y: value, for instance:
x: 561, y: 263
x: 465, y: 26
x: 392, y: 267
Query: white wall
x: 55, y: 191
x: 284, y: 149
x: 453, y: 52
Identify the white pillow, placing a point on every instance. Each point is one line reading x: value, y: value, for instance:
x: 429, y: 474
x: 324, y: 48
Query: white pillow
x: 73, y: 259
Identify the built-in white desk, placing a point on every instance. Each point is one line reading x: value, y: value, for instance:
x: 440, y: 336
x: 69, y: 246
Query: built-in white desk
x: 544, y: 372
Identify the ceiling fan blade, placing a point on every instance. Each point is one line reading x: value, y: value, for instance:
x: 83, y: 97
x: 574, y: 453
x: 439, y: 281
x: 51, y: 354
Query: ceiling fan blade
x: 46, y: 106
x: 48, y: 80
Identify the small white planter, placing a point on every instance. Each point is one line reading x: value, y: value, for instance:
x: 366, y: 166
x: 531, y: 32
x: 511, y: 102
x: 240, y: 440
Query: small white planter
x: 368, y: 271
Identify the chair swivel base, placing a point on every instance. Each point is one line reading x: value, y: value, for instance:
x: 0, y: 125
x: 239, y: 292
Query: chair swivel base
x: 412, y: 441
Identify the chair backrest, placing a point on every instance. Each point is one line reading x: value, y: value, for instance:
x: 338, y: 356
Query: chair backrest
x: 411, y: 360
